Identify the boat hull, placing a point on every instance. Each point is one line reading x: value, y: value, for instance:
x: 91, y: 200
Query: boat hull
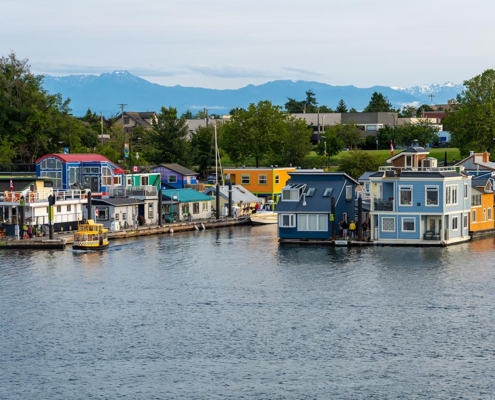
x: 90, y: 247
x: 261, y: 219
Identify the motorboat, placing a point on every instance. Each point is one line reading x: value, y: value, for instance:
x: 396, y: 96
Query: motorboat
x: 90, y: 236
x: 265, y: 214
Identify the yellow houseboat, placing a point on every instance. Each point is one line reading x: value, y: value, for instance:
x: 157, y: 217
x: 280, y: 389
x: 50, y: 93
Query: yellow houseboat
x: 90, y: 236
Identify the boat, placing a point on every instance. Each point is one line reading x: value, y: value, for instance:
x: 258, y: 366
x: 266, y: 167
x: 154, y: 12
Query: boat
x: 265, y: 214
x: 90, y: 236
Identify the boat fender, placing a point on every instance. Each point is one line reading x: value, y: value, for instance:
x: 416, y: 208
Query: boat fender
x: 203, y: 226
x: 196, y: 227
x: 171, y: 230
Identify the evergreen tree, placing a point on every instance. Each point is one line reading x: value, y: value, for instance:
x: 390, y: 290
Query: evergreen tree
x: 341, y: 107
x: 379, y: 103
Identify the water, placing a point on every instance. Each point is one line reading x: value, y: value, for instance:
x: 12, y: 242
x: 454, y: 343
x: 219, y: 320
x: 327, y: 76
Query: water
x: 231, y: 314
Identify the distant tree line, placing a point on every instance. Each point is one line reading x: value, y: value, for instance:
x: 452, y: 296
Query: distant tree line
x: 34, y: 122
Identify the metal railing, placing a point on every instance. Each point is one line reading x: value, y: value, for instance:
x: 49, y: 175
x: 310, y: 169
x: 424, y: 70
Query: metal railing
x: 133, y: 191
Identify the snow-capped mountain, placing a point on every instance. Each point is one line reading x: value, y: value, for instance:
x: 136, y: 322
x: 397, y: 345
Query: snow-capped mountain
x: 105, y: 92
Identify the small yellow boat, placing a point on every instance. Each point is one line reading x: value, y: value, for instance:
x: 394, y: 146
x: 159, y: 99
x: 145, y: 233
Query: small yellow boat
x: 90, y: 236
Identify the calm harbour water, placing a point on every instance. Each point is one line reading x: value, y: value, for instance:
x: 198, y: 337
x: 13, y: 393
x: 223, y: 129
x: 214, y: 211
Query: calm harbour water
x: 232, y: 314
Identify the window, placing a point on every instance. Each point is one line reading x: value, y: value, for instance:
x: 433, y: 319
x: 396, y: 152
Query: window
x: 103, y: 214
x: 117, y: 180
x: 287, y: 220
x: 310, y: 192
x: 388, y: 224
x: 431, y: 195
x: 205, y: 206
x: 327, y: 192
x: 455, y: 225
x: 74, y: 175
x: 489, y: 213
x: 348, y: 193
x: 405, y: 195
x: 59, y: 209
x: 312, y: 222
x: 484, y: 214
x: 144, y: 180
x: 290, y: 194
x: 150, y: 210
x: 124, y: 216
x: 465, y: 221
x: 409, y: 161
x: 476, y: 200
x: 195, y: 208
x: 451, y: 195
x: 262, y: 179
x: 116, y: 216
x: 172, y: 179
x: 106, y: 176
x: 408, y: 224
x: 474, y: 216
x: 69, y: 208
x: 245, y: 179
x: 465, y: 190
x: 277, y: 179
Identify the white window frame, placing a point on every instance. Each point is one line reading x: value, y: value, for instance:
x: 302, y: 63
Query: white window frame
x: 320, y: 220
x: 405, y: 189
x: 451, y: 195
x: 490, y: 214
x: 432, y: 189
x: 484, y: 214
x: 466, y: 221
x: 289, y: 219
x: 408, y: 219
x: 466, y: 190
x: 473, y: 214
x: 263, y: 179
x: 172, y: 179
x: 348, y: 192
x: 293, y: 194
x: 382, y: 224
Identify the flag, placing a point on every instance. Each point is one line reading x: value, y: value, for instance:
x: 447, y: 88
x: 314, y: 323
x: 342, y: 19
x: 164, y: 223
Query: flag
x: 96, y: 213
x: 391, y: 147
x: 11, y: 186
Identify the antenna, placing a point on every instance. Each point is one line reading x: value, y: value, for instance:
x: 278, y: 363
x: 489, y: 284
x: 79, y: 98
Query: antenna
x: 431, y: 95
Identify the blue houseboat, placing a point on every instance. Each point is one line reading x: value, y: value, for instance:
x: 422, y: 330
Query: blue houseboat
x: 304, y: 209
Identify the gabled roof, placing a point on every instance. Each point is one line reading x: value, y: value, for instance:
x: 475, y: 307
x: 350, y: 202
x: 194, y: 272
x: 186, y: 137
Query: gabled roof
x: 411, y: 150
x: 366, y: 176
x: 239, y: 193
x: 185, y: 195
x: 176, y: 168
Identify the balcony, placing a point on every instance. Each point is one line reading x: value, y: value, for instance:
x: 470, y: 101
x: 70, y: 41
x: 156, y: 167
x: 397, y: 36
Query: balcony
x: 133, y: 191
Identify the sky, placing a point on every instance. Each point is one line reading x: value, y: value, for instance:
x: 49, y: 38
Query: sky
x: 228, y: 44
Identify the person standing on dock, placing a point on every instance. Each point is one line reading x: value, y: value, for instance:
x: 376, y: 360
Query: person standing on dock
x: 344, y: 226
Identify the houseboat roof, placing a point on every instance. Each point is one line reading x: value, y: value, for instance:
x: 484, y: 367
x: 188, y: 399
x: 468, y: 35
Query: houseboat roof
x: 177, y: 168
x: 185, y: 195
x: 117, y: 201
x: 239, y: 193
x: 82, y: 157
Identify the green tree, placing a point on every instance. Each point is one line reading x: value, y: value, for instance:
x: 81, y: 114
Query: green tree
x: 203, y: 148
x: 378, y: 103
x: 407, y: 112
x: 424, y: 107
x: 251, y: 132
x: 424, y: 132
x: 292, y: 143
x: 471, y: 121
x: 341, y: 107
x: 330, y: 144
x: 31, y: 120
x: 356, y: 163
x: 188, y: 115
x: 353, y: 110
x: 308, y: 105
x: 169, y: 139
x: 350, y: 134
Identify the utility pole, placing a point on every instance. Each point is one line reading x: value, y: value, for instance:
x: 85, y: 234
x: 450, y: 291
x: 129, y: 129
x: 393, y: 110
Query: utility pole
x: 126, y: 145
x: 101, y: 123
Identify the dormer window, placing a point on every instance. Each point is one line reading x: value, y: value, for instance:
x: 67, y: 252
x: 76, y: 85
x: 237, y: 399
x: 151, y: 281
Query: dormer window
x: 293, y: 192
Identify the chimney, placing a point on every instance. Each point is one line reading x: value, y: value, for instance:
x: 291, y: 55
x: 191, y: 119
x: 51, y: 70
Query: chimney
x: 486, y: 157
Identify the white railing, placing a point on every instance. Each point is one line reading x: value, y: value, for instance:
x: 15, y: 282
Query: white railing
x: 133, y: 191
x: 421, y: 169
x: 41, y: 196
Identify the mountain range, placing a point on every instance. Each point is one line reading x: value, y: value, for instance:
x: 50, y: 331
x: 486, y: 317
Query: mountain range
x: 107, y: 92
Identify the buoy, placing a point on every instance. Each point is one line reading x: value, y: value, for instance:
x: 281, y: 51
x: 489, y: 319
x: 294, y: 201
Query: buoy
x: 171, y: 230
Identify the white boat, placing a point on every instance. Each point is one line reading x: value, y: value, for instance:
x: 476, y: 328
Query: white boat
x: 265, y: 214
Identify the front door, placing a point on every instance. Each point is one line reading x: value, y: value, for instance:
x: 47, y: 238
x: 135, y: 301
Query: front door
x: 434, y: 224
x: 95, y: 187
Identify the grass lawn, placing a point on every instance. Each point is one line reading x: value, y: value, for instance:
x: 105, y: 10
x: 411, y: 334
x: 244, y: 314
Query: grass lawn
x: 383, y: 155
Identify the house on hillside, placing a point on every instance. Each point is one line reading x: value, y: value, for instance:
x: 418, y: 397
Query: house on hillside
x: 175, y: 176
x: 477, y: 163
x: 304, y: 209
x: 415, y: 202
x: 130, y: 120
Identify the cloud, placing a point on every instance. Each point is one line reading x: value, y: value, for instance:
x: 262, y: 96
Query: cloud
x: 230, y: 71
x: 305, y: 72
